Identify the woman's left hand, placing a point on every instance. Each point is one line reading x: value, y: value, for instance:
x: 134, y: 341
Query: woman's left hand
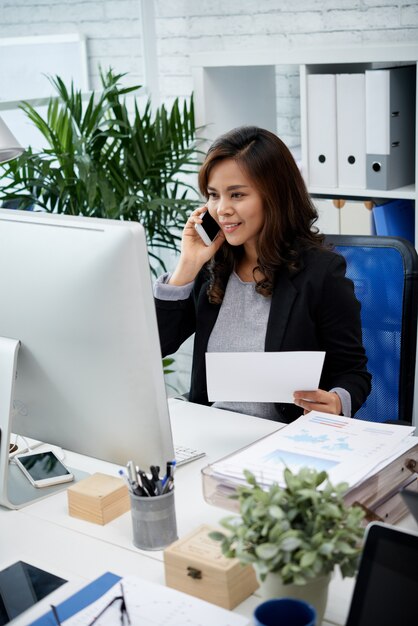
x: 318, y: 400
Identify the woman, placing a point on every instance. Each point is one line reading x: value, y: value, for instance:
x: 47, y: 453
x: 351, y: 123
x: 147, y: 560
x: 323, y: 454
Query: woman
x: 266, y: 283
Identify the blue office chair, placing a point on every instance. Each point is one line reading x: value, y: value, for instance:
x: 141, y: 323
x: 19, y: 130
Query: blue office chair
x: 384, y: 271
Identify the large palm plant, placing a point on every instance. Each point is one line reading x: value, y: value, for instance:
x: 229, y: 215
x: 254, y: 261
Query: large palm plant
x: 103, y: 160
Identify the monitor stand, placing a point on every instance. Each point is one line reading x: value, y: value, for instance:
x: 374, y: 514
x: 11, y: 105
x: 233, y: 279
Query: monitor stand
x: 15, y: 490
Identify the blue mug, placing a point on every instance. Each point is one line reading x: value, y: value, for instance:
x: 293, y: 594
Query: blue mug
x: 284, y: 612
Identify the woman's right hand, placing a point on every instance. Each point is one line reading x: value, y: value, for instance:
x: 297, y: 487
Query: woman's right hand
x: 194, y: 253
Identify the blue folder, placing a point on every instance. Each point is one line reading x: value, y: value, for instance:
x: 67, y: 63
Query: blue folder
x: 395, y: 219
x: 80, y: 600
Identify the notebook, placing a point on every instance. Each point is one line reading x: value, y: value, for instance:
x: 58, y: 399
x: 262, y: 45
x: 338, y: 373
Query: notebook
x: 387, y: 581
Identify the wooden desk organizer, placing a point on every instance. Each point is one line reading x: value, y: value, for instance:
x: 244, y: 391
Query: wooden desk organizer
x: 99, y: 498
x: 195, y: 565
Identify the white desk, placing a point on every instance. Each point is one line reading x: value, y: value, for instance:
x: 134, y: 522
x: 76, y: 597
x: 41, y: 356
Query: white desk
x: 44, y: 535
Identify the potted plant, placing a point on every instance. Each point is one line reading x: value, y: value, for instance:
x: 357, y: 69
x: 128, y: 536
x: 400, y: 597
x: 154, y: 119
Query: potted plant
x: 108, y: 158
x: 294, y: 536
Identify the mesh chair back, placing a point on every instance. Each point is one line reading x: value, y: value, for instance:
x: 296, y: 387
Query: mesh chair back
x: 384, y: 271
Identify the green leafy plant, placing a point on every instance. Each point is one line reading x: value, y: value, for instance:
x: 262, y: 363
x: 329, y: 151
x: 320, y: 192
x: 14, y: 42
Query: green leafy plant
x: 168, y: 363
x: 299, y: 531
x: 104, y: 159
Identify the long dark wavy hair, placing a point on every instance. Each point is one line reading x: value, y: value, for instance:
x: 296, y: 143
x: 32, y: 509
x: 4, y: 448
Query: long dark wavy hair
x: 289, y: 213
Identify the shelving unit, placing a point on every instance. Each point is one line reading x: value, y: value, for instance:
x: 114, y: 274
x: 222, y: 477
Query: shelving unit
x: 238, y: 87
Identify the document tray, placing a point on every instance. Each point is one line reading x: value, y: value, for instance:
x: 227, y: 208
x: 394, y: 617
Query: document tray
x: 379, y: 494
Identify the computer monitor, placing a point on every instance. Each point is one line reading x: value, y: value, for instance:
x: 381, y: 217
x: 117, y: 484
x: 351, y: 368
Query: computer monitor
x: 76, y: 292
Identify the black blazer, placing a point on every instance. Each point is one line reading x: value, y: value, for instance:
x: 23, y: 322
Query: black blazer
x: 313, y: 308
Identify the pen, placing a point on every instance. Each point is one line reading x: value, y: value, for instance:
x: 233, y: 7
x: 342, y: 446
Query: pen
x: 170, y: 468
x: 125, y: 478
x: 169, y: 471
x: 146, y: 483
x: 133, y: 479
x: 155, y: 473
x: 131, y: 472
x: 134, y: 488
x: 169, y: 486
x: 142, y: 491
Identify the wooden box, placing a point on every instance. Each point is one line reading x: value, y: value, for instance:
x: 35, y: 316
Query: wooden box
x: 98, y: 498
x: 195, y: 565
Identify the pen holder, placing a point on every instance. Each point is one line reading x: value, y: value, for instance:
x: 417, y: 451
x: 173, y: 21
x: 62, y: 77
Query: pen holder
x: 153, y: 521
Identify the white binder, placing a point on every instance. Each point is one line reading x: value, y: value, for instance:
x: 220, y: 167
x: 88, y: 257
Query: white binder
x: 377, y: 111
x: 351, y: 130
x: 390, y: 127
x: 322, y: 130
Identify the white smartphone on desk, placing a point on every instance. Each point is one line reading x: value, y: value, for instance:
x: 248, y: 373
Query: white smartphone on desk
x: 208, y: 229
x: 43, y: 469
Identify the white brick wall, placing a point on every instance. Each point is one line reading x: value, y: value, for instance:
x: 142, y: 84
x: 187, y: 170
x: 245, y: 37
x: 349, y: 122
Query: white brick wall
x: 188, y: 26
x: 112, y: 29
x: 183, y: 27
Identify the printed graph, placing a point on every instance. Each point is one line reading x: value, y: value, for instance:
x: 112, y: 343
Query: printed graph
x: 296, y: 461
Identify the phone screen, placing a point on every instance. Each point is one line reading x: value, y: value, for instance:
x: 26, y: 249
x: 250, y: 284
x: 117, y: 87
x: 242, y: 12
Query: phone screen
x: 210, y: 225
x: 208, y: 229
x: 43, y: 465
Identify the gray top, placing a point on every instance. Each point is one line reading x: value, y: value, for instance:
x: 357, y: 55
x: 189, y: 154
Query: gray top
x: 240, y: 327
x: 164, y: 291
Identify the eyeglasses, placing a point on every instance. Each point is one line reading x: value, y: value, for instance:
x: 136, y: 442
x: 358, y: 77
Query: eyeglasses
x: 124, y: 615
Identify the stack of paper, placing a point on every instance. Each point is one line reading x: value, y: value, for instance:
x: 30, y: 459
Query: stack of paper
x: 348, y: 449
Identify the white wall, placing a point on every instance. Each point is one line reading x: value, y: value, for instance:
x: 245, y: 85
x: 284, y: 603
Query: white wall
x: 113, y: 31
x: 187, y: 26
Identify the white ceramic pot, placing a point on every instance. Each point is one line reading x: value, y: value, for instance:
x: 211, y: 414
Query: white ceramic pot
x: 315, y: 592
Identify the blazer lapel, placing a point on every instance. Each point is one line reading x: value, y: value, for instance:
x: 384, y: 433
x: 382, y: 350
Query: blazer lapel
x: 283, y: 297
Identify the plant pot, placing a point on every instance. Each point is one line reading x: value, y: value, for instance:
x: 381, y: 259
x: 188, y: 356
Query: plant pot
x: 315, y: 592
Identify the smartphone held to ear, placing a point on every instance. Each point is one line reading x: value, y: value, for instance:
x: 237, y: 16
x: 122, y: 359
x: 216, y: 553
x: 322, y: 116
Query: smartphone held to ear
x: 43, y: 469
x: 208, y: 229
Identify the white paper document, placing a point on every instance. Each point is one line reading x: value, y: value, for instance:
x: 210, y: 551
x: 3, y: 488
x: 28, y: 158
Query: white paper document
x: 149, y: 604
x: 261, y: 376
x: 348, y: 449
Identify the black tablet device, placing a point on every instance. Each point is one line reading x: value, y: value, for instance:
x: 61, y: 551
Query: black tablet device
x: 21, y: 586
x: 386, y: 587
